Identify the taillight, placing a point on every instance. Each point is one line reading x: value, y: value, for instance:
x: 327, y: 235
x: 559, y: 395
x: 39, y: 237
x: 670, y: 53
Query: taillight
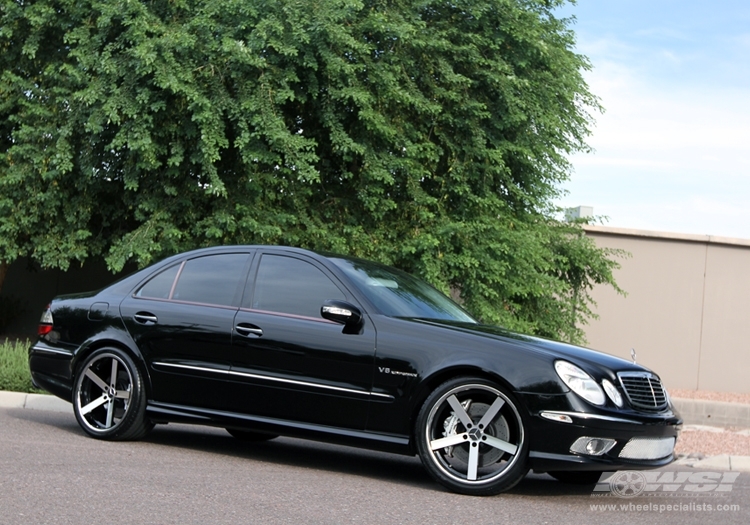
x: 46, y: 322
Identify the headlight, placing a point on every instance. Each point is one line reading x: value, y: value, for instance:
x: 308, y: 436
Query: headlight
x: 580, y: 382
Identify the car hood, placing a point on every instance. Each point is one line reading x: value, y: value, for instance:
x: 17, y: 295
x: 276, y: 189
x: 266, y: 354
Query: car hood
x: 585, y: 357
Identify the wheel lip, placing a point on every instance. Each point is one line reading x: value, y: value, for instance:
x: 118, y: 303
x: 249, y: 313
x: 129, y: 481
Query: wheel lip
x: 84, y: 419
x: 433, y: 454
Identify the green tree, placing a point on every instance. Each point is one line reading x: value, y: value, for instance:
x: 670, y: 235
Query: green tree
x: 430, y: 135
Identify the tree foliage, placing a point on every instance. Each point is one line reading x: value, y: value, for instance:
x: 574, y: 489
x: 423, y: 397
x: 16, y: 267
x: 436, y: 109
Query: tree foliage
x: 427, y: 134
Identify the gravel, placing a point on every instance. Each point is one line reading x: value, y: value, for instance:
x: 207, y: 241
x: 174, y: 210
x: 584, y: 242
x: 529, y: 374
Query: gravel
x: 698, y: 440
x: 727, y: 397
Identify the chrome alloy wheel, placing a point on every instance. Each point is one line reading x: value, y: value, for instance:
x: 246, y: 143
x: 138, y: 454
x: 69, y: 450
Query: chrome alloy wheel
x: 103, y: 393
x: 472, y: 438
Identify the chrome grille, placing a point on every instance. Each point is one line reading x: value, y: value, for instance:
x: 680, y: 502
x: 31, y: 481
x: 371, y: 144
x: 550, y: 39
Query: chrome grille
x: 644, y: 390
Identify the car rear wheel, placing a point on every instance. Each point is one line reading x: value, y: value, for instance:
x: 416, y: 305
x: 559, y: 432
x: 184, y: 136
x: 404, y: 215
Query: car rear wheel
x: 109, y: 397
x: 470, y: 437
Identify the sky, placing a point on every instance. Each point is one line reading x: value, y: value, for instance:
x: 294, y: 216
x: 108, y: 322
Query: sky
x: 672, y: 149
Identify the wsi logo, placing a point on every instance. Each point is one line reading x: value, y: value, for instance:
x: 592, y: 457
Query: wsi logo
x: 632, y: 483
x: 385, y: 370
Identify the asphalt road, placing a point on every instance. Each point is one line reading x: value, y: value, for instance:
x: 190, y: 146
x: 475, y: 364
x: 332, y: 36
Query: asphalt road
x: 50, y: 472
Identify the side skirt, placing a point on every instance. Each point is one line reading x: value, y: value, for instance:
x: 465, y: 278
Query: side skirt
x: 169, y: 413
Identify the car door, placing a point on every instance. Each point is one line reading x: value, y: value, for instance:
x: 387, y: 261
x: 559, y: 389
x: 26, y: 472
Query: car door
x: 290, y: 363
x: 181, y: 320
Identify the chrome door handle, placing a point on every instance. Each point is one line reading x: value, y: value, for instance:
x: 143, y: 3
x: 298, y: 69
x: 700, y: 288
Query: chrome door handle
x: 246, y: 330
x: 145, y: 318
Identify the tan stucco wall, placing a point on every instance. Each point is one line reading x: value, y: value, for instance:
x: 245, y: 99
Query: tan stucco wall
x: 687, y: 312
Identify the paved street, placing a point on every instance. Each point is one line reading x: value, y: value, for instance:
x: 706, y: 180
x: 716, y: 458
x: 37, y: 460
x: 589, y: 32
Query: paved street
x: 50, y: 472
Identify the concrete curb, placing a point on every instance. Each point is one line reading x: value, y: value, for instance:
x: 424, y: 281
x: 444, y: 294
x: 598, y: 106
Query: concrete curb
x: 34, y: 402
x: 713, y: 413
x: 722, y: 462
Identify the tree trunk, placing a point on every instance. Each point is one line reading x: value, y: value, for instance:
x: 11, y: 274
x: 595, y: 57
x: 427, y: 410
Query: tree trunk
x: 3, y: 270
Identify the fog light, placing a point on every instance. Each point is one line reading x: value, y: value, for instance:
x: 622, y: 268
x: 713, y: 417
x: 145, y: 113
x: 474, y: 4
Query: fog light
x: 592, y: 446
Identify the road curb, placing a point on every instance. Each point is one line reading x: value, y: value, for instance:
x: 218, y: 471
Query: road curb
x: 34, y: 402
x: 713, y: 413
x: 721, y: 462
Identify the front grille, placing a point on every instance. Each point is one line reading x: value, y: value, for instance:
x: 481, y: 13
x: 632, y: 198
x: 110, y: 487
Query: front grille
x: 644, y: 390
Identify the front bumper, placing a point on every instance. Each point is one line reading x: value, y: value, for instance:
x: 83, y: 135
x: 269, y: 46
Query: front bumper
x: 550, y: 440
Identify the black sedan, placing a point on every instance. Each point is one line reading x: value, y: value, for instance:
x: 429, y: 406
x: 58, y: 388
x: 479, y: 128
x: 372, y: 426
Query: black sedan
x: 266, y: 341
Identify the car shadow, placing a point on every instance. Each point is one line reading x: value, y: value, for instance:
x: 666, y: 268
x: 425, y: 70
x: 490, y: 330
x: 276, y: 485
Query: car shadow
x: 296, y: 452
x: 338, y: 458
x: 544, y: 485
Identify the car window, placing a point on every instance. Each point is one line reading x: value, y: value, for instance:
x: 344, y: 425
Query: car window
x: 160, y: 286
x: 399, y: 294
x: 213, y: 279
x: 292, y: 286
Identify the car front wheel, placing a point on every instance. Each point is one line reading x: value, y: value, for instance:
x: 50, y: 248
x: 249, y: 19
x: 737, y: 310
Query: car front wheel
x: 470, y: 437
x: 109, y: 397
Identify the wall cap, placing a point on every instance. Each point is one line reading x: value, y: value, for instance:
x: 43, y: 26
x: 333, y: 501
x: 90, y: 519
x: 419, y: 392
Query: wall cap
x: 669, y: 236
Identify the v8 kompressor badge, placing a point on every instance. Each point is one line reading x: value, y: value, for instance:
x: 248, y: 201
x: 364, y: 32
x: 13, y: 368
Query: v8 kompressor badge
x: 386, y: 370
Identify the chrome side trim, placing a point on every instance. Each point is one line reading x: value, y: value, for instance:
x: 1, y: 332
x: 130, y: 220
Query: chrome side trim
x: 192, y: 367
x: 52, y: 351
x: 313, y: 385
x: 276, y: 379
x: 582, y: 415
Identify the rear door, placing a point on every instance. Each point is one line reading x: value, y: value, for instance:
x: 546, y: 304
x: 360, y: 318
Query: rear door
x: 181, y: 319
x: 287, y: 361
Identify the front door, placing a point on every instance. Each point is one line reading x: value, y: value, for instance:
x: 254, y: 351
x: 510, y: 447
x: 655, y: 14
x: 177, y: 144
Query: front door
x: 290, y: 363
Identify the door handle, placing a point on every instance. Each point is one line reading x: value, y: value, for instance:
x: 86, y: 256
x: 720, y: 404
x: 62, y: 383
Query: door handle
x: 145, y: 318
x: 248, y: 329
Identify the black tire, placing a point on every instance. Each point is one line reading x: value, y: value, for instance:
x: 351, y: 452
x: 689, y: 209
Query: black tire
x: 470, y: 437
x: 584, y: 477
x: 255, y: 437
x: 109, y: 398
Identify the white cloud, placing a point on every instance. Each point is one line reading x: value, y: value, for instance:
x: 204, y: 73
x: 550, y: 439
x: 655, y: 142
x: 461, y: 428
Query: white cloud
x: 688, y: 129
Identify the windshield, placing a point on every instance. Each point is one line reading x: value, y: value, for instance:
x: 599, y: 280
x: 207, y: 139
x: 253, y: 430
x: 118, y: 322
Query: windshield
x: 398, y: 294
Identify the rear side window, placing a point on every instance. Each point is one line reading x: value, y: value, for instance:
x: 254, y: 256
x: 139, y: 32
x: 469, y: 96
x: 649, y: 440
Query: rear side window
x: 292, y: 286
x: 213, y: 279
x: 160, y: 286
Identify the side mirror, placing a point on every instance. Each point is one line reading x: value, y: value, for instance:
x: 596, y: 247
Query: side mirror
x: 344, y: 313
